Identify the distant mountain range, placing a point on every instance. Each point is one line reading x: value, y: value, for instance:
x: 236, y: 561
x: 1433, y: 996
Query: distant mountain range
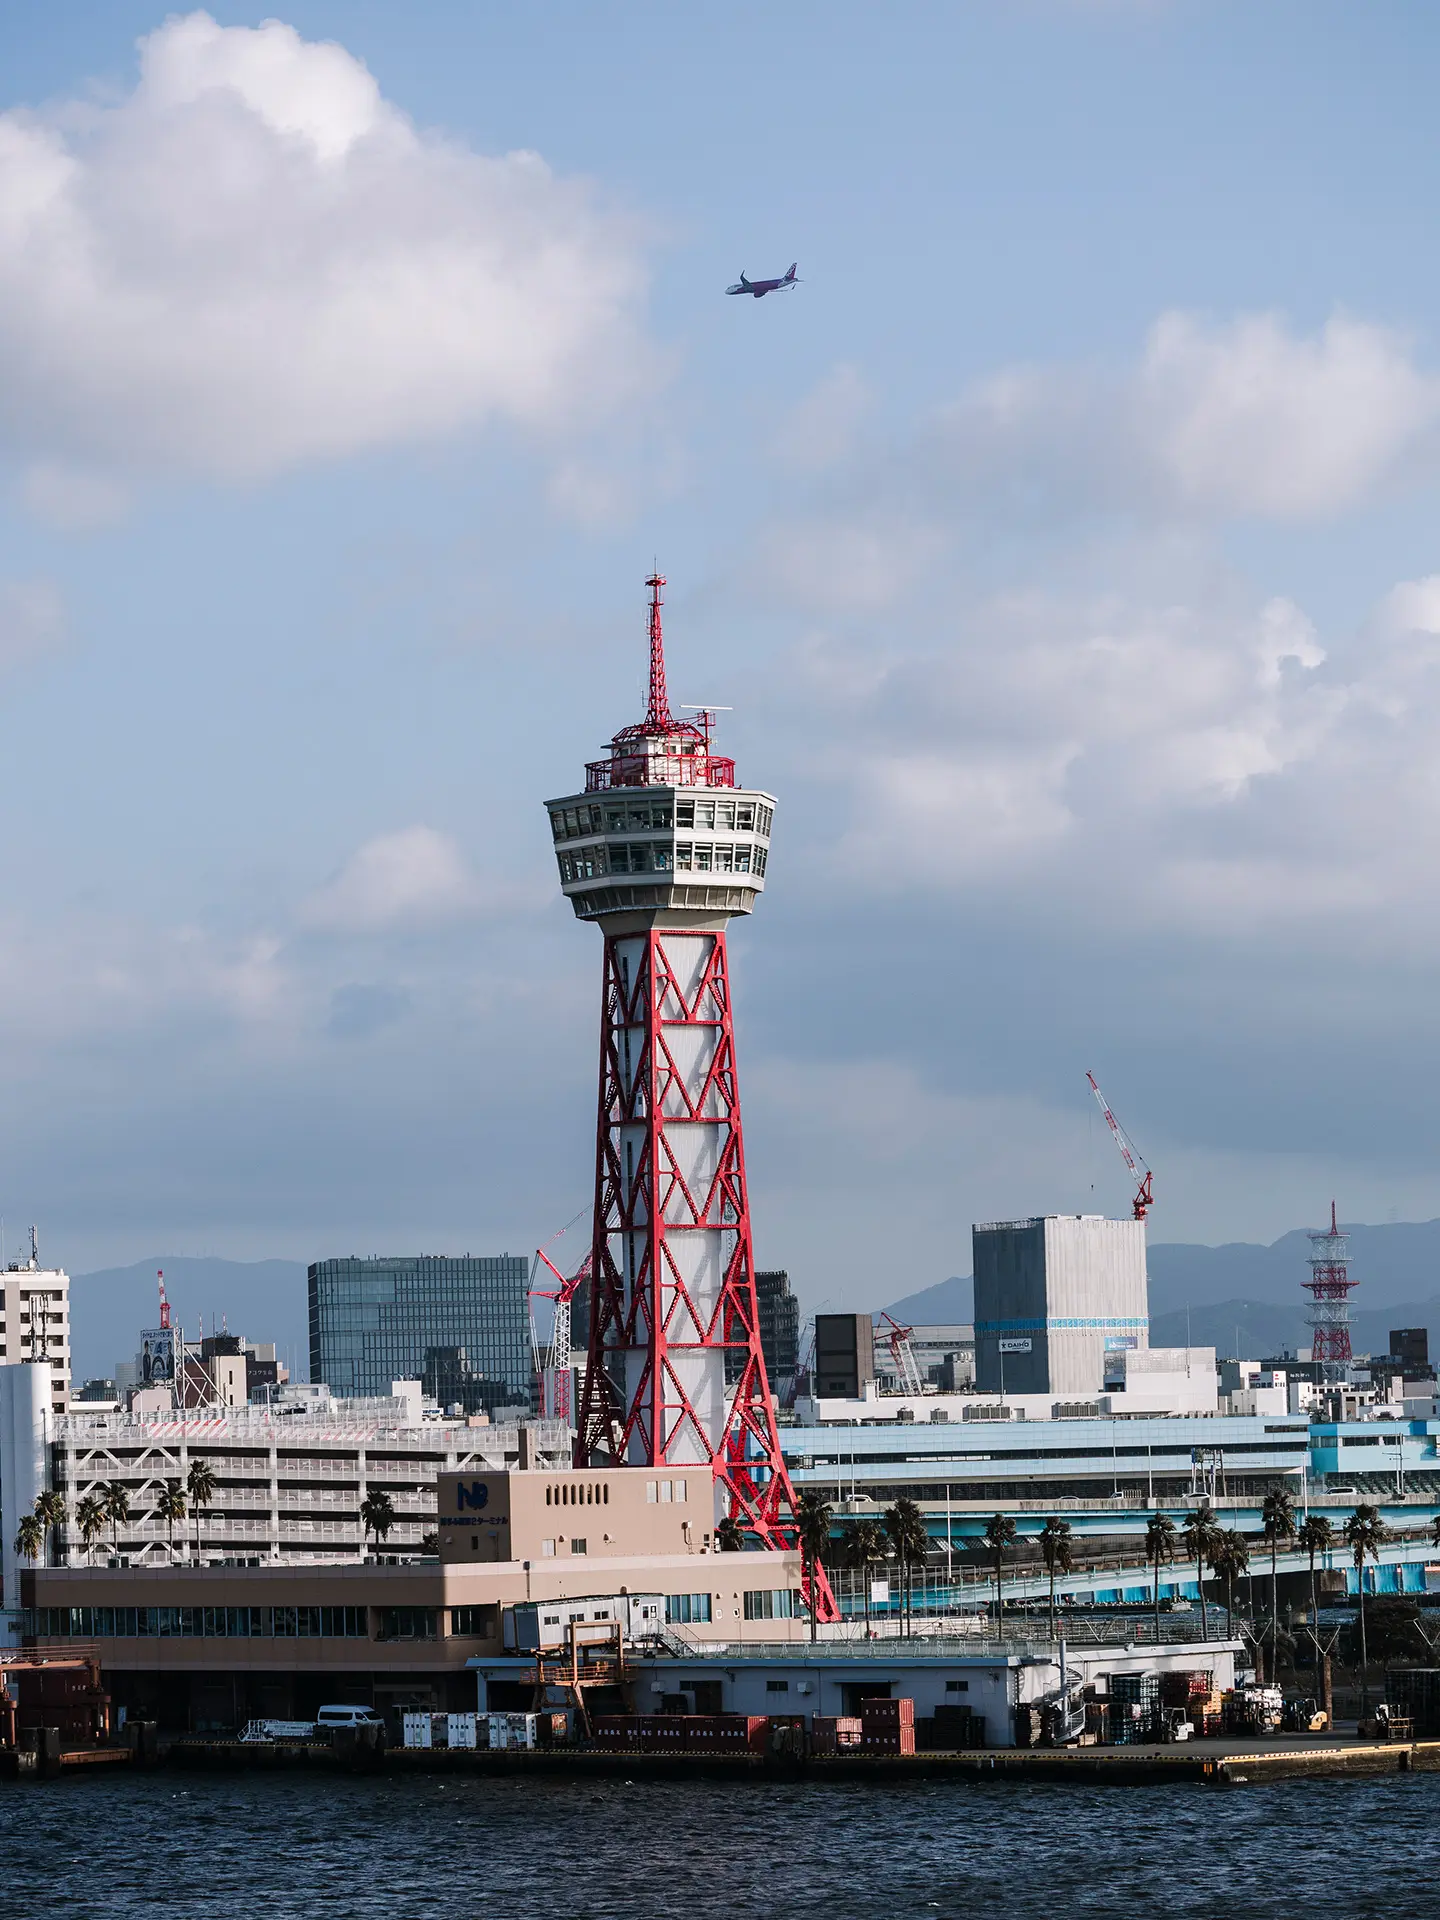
x: 1211, y: 1294
x: 1203, y: 1293
x: 262, y: 1299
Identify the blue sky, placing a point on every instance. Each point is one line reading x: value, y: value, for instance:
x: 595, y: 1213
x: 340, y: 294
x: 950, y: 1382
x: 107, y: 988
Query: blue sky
x: 1066, y: 547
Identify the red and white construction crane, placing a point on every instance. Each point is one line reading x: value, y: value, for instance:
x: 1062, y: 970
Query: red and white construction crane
x: 555, y: 1374
x: 1139, y: 1172
x: 907, y: 1367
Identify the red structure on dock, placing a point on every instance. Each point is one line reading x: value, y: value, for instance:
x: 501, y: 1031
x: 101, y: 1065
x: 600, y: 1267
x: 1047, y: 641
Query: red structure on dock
x: 662, y: 849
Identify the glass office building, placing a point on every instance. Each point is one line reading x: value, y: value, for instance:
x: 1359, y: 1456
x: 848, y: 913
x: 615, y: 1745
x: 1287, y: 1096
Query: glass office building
x: 379, y: 1320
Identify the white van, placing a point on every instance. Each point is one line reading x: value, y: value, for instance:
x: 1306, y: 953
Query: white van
x: 347, y: 1717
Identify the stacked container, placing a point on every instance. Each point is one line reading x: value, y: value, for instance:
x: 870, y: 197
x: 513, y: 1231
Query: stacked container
x: 887, y: 1726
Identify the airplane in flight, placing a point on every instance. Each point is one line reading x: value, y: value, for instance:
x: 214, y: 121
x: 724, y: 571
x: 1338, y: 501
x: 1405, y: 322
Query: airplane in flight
x: 761, y: 287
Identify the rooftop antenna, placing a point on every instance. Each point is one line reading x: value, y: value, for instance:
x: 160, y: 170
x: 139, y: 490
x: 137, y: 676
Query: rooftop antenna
x: 164, y: 1303
x: 34, y: 1250
x: 658, y: 717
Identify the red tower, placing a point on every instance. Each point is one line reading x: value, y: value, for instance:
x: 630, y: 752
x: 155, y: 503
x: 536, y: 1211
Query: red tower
x: 662, y: 849
x: 1329, y: 1288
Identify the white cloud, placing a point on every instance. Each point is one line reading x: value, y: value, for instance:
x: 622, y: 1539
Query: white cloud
x: 254, y: 260
x: 1245, y: 419
x: 1250, y: 419
x: 416, y: 877
x: 1413, y: 606
x: 1030, y: 673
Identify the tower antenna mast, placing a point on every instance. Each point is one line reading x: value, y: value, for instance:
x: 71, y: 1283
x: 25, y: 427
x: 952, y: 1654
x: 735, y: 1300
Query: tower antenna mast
x: 1329, y: 1288
x: 658, y: 717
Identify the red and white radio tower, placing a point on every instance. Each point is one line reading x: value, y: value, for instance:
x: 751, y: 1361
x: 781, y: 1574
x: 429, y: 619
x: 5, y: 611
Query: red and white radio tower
x: 1329, y: 1287
x: 662, y: 848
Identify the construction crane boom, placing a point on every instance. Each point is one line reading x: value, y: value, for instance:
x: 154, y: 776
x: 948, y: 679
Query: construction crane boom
x: 903, y: 1354
x: 1134, y: 1160
x: 556, y: 1378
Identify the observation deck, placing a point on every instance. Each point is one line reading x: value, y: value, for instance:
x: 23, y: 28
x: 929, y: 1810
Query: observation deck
x: 661, y: 825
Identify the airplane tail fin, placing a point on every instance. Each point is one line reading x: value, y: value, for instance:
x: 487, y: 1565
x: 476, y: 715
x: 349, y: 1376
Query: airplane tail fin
x: 793, y: 265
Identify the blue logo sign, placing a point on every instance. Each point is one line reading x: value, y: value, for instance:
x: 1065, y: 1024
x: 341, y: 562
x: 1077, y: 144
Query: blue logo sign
x: 475, y: 1496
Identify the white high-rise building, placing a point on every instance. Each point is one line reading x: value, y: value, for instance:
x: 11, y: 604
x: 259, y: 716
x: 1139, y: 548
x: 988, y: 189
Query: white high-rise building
x: 27, y: 1421
x: 35, y: 1320
x: 1053, y: 1297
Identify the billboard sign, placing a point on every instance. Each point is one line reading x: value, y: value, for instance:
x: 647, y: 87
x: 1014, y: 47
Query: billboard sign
x: 1018, y: 1345
x: 157, y: 1357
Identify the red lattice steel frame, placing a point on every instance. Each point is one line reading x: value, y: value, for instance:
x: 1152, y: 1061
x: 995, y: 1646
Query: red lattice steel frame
x: 653, y: 1422
x: 1329, y: 1287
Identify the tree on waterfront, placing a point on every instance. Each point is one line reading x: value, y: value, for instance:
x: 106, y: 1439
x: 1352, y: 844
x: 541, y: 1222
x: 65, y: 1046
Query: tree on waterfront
x: 1202, y: 1535
x: 905, y: 1530
x: 171, y: 1507
x: 813, y: 1517
x: 729, y: 1537
x: 865, y: 1548
x: 1000, y: 1531
x: 1230, y: 1558
x: 200, y: 1486
x: 1394, y: 1631
x: 52, y: 1513
x: 1365, y: 1534
x: 90, y: 1519
x: 377, y: 1514
x: 115, y: 1504
x: 1056, y: 1539
x: 1277, y: 1523
x: 29, y: 1537
x: 1159, y: 1551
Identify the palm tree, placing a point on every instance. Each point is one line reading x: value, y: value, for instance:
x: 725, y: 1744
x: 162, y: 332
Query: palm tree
x: 1277, y: 1523
x: 29, y: 1537
x: 813, y: 1515
x: 905, y: 1530
x: 200, y: 1486
x: 90, y: 1519
x: 1315, y: 1535
x: 52, y: 1513
x: 1230, y: 1558
x: 864, y: 1546
x: 115, y: 1504
x: 1202, y: 1535
x: 1159, y: 1551
x: 729, y: 1537
x: 377, y: 1514
x: 1055, y: 1551
x: 1365, y: 1534
x: 171, y: 1507
x: 1000, y: 1533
